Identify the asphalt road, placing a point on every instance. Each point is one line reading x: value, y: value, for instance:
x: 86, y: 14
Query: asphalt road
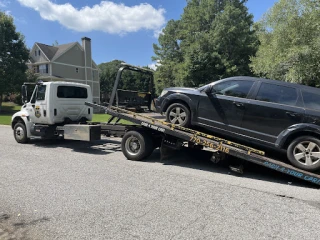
x: 76, y: 190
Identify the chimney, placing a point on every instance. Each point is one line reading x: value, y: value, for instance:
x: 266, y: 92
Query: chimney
x: 86, y: 44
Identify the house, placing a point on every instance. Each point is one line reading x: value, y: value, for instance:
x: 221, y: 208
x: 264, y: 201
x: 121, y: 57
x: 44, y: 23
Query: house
x: 69, y: 62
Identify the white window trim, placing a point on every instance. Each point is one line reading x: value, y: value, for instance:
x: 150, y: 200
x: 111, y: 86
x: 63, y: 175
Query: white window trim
x: 71, y: 65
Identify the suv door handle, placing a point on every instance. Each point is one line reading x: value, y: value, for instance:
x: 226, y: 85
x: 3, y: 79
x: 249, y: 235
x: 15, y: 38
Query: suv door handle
x: 292, y: 114
x: 239, y: 105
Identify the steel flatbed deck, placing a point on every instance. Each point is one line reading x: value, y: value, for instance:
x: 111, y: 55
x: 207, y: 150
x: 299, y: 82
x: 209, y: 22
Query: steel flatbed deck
x: 174, y: 136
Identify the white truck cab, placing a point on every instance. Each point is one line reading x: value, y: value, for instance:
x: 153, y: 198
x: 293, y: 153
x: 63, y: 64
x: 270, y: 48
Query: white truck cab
x: 51, y: 104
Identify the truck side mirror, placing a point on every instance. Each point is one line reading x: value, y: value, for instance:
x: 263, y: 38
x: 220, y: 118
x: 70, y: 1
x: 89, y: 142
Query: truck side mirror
x: 24, y: 94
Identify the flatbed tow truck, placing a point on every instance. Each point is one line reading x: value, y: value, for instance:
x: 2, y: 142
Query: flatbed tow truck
x: 148, y: 133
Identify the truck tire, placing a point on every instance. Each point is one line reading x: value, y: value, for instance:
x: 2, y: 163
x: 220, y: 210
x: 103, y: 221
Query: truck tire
x: 20, y: 132
x: 304, y: 153
x: 137, y: 145
x: 179, y: 114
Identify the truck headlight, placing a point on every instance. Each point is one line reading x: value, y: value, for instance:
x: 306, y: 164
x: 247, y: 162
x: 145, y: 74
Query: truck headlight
x: 164, y: 92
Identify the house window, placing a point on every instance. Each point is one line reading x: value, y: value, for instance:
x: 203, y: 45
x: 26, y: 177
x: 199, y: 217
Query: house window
x: 39, y: 52
x: 77, y: 70
x: 44, y: 68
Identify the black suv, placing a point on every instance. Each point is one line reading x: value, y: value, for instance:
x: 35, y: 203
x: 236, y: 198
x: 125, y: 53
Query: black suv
x: 262, y: 111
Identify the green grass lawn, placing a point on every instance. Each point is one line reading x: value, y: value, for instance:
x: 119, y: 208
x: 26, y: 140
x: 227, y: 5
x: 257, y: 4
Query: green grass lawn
x: 8, y: 109
x: 5, y: 119
x: 101, y: 117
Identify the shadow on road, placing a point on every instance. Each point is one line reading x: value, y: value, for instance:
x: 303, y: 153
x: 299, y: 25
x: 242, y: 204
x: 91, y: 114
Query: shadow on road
x: 199, y: 160
x: 102, y: 147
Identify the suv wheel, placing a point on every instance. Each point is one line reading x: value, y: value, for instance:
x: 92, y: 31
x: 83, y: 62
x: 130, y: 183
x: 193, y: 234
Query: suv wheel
x: 304, y: 153
x: 178, y: 114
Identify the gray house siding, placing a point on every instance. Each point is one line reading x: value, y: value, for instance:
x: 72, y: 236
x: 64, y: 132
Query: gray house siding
x: 96, y: 90
x: 67, y: 71
x: 74, y: 56
x: 37, y: 55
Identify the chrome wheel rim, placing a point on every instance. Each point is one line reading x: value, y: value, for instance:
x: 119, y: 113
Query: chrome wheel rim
x: 133, y: 145
x: 19, y: 133
x: 307, y: 153
x: 177, y: 116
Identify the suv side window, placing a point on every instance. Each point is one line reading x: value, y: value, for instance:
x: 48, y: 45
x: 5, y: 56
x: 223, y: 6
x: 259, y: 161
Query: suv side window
x: 233, y: 88
x: 311, y: 100
x: 277, y: 94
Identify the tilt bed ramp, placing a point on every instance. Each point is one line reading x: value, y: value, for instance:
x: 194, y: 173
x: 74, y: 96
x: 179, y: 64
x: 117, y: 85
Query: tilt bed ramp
x: 169, y: 136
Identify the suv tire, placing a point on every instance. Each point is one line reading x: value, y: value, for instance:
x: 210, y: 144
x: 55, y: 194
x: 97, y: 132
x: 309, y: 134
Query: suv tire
x: 179, y: 114
x: 304, y: 153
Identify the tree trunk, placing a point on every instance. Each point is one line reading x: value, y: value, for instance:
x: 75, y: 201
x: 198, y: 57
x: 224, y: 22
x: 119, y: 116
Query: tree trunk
x: 0, y: 102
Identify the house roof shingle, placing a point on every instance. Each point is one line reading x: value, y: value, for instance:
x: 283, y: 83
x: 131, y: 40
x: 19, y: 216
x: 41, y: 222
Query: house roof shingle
x: 52, y: 51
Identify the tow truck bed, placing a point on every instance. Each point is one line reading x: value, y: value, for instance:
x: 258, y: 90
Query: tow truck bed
x: 174, y: 136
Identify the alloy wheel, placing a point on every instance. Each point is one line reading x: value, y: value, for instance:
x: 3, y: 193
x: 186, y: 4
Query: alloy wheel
x: 177, y: 116
x: 307, y: 153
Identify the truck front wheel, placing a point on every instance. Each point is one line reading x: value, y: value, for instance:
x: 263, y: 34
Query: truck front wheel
x: 137, y: 145
x: 20, y: 132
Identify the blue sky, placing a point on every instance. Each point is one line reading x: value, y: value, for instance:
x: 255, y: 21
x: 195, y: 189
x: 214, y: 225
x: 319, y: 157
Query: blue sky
x: 119, y: 29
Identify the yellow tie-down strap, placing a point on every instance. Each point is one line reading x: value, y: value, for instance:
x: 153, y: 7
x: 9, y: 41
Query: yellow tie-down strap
x: 196, y: 134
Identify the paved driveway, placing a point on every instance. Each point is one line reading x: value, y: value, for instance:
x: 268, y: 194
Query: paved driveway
x: 75, y: 190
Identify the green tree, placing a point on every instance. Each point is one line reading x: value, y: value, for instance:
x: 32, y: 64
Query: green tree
x: 212, y: 40
x: 108, y: 73
x: 290, y: 42
x: 31, y: 76
x: 13, y: 57
x: 168, y: 54
x: 130, y: 80
x: 56, y: 43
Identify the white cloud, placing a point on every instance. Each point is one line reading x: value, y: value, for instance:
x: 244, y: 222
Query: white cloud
x: 107, y: 16
x: 157, y: 33
x: 4, y: 3
x: 154, y: 65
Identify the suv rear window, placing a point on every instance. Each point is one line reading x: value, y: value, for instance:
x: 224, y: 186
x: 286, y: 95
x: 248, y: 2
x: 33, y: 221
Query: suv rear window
x: 311, y: 100
x: 277, y: 94
x: 71, y: 92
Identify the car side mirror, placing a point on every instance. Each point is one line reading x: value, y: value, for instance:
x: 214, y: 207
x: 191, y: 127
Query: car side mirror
x: 24, y: 95
x: 209, y: 91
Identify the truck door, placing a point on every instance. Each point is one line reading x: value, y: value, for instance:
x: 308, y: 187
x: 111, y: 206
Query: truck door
x: 37, y: 107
